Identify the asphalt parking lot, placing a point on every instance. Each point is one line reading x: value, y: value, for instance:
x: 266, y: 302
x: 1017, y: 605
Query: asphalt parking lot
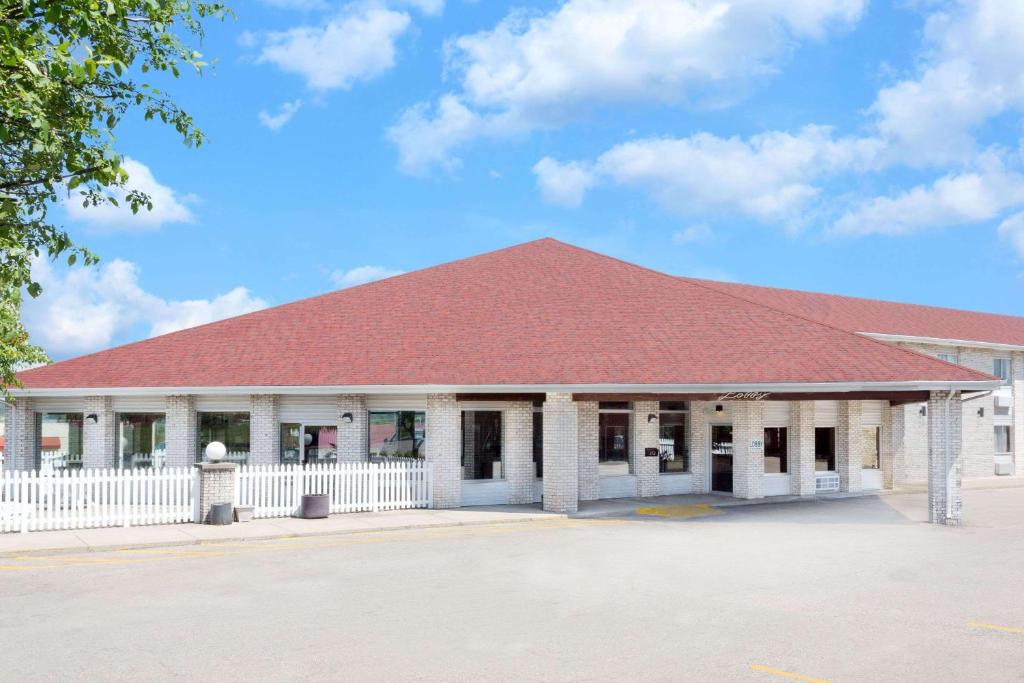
x: 846, y: 590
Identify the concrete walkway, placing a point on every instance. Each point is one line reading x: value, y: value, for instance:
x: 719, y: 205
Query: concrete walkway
x: 112, y: 538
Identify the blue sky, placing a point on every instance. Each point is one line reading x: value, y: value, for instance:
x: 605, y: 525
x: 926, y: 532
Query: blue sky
x: 847, y: 146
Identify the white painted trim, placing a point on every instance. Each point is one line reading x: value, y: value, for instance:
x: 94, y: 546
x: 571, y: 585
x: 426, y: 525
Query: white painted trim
x: 939, y: 341
x: 405, y: 389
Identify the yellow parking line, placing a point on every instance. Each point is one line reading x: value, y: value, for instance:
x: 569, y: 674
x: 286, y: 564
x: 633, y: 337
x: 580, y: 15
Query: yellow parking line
x: 680, y: 511
x: 787, y: 674
x: 997, y: 627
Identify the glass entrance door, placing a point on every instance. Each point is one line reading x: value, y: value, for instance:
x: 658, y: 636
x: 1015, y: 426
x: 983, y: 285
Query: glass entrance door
x: 721, y: 458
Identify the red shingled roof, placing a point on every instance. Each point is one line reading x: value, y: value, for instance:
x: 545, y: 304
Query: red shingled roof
x: 543, y: 312
x: 882, y: 317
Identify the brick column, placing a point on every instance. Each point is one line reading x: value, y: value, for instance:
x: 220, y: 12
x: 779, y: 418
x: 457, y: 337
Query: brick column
x: 444, y: 441
x: 216, y: 485
x: 645, y: 435
x: 518, y: 439
x: 264, y: 430
x: 747, y: 465
x: 20, y: 450
x: 1017, y: 435
x: 353, y: 437
x: 588, y: 444
x: 849, y: 446
x: 561, y: 453
x: 944, y: 461
x: 801, y: 448
x: 468, y: 452
x: 887, y: 444
x: 182, y: 435
x: 100, y: 437
x: 699, y: 448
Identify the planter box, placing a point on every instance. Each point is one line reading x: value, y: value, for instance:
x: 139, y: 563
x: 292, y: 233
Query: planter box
x: 315, y: 506
x: 243, y: 513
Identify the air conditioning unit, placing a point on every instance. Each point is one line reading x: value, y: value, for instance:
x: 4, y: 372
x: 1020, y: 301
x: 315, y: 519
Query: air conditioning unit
x: 1004, y: 468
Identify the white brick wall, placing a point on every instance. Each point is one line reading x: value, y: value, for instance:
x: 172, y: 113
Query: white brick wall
x: 1018, y: 413
x: 747, y: 466
x: 887, y: 443
x: 800, y: 436
x: 944, y: 476
x: 645, y: 435
x: 561, y: 454
x: 849, y: 446
x: 99, y: 437
x: 699, y: 448
x: 588, y: 446
x: 518, y: 441
x: 182, y: 442
x: 264, y: 430
x: 20, y: 435
x: 444, y: 449
x: 216, y: 485
x: 353, y: 445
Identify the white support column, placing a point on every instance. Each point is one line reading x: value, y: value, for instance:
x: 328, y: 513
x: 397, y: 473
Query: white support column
x: 887, y: 444
x: 98, y: 449
x: 182, y: 436
x: 21, y: 435
x: 801, y: 448
x: 747, y: 463
x: 1017, y: 437
x: 444, y: 449
x: 945, y: 415
x: 518, y: 438
x: 849, y: 446
x: 354, y: 434
x: 561, y: 453
x: 588, y: 445
x: 264, y: 430
x: 645, y: 435
x: 699, y: 448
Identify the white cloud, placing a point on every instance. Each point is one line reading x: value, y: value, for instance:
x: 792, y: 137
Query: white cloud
x: 698, y: 232
x: 955, y: 199
x: 424, y: 138
x: 87, y: 309
x: 428, y: 7
x: 168, y: 205
x: 284, y: 114
x: 563, y: 184
x: 970, y: 73
x: 1012, y: 230
x: 541, y: 70
x: 361, y: 275
x: 357, y: 44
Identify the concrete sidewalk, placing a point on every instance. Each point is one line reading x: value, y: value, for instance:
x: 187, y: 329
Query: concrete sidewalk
x: 113, y: 538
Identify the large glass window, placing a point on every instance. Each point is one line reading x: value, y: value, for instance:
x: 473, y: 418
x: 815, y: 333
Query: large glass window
x: 481, y: 445
x: 538, y: 442
x: 59, y: 440
x: 303, y: 443
x: 872, y: 447
x: 1001, y: 369
x: 231, y: 429
x: 613, y: 454
x: 775, y: 450
x: 141, y: 440
x: 825, y: 449
x: 1003, y: 443
x: 672, y: 443
x: 398, y: 434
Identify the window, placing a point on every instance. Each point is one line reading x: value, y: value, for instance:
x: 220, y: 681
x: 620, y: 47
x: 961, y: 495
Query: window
x: 1003, y: 443
x: 613, y: 451
x: 775, y: 450
x: 481, y: 445
x: 313, y: 444
x: 538, y: 442
x: 231, y: 429
x: 948, y: 357
x: 141, y: 440
x: 398, y: 434
x: 824, y: 449
x: 872, y: 443
x: 1001, y: 369
x: 674, y: 452
x: 59, y: 442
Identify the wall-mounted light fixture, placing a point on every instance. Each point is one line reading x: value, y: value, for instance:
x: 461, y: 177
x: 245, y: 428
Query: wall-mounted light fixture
x: 719, y: 408
x: 981, y: 412
x: 652, y: 418
x: 346, y: 418
x: 923, y: 411
x: 92, y: 418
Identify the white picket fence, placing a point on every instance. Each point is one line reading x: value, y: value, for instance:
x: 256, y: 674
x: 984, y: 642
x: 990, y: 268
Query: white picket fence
x: 277, y: 490
x: 82, y: 499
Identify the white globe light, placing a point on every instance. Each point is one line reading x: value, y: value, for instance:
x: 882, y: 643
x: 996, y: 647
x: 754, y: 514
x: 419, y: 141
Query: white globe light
x: 308, y: 438
x: 215, y: 451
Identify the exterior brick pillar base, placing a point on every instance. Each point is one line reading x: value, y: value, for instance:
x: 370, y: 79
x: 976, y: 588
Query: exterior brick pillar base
x: 216, y: 485
x: 100, y: 437
x: 645, y: 435
x: 944, y: 461
x: 561, y: 455
x: 849, y: 446
x: 444, y: 449
x: 519, y: 469
x: 802, y: 478
x: 747, y: 462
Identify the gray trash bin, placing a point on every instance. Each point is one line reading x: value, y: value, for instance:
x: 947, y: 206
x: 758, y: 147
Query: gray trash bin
x: 315, y: 506
x: 221, y: 513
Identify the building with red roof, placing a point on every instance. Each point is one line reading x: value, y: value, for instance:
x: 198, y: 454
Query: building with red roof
x: 546, y: 371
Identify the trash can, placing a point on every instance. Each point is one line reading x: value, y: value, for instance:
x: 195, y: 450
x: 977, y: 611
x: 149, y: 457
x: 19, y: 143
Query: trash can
x: 221, y: 513
x: 314, y: 506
